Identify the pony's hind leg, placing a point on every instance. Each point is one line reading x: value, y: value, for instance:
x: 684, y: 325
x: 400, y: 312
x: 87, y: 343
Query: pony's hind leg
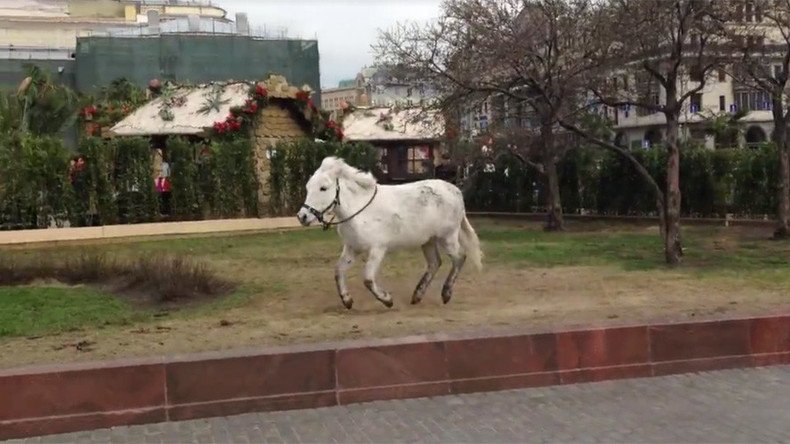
x: 343, y: 264
x: 375, y: 256
x: 458, y: 257
x: 434, y: 261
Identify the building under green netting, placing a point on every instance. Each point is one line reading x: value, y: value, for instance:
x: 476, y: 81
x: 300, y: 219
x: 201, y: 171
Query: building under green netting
x: 12, y: 71
x: 194, y: 58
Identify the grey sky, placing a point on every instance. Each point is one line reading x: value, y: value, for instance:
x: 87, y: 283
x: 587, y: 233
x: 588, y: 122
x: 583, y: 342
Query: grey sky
x: 345, y: 28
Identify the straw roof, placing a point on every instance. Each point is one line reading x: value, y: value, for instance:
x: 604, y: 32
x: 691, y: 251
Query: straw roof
x: 381, y: 124
x: 189, y: 112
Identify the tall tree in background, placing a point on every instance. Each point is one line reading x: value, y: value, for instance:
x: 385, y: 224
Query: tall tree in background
x: 668, y: 50
x: 532, y: 53
x: 760, y: 42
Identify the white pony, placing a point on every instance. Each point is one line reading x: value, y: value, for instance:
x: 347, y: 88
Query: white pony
x: 375, y: 219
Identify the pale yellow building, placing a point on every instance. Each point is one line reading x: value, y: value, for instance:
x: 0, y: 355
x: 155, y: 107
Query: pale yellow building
x: 723, y: 94
x: 332, y: 99
x: 54, y: 25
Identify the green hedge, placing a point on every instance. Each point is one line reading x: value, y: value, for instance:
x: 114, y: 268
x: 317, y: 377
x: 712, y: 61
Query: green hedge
x: 209, y: 179
x: 214, y: 180
x: 217, y: 180
x: 713, y: 183
x: 34, y: 186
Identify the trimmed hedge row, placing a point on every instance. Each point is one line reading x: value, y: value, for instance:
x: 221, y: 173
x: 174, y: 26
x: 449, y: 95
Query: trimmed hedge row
x: 713, y: 183
x: 40, y: 189
x: 217, y: 180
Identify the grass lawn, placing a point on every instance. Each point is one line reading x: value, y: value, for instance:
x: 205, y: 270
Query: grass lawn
x: 38, y: 310
x: 593, y: 273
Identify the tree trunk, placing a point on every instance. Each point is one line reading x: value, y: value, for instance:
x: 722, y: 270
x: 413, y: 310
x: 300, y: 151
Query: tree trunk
x: 672, y: 246
x: 780, y: 140
x: 555, y: 221
x: 659, y: 195
x: 783, y: 229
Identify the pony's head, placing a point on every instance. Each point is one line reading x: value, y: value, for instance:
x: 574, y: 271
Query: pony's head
x: 323, y: 188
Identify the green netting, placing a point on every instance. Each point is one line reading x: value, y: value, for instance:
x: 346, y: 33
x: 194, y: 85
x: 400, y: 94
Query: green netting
x: 194, y: 59
x: 12, y: 71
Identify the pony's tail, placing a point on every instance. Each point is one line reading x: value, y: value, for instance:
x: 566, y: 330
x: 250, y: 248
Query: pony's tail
x: 471, y: 244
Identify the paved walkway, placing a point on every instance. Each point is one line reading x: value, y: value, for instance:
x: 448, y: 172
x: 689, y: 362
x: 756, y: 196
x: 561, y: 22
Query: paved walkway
x: 747, y: 406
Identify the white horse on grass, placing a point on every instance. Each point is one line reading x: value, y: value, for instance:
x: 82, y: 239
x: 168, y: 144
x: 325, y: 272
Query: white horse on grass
x: 375, y: 219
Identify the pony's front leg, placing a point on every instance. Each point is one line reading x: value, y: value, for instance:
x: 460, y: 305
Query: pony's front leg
x: 375, y: 256
x: 343, y: 264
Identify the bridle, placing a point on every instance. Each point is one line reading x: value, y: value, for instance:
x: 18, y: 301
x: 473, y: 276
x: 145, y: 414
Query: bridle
x: 336, y: 203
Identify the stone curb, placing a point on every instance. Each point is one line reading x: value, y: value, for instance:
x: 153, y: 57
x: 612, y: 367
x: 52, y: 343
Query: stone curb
x: 67, y: 398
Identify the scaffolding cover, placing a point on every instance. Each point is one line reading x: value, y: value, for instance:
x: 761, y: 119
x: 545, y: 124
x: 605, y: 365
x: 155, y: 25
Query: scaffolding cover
x: 194, y: 58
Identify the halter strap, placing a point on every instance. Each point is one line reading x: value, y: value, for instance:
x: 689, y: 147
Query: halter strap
x: 335, y: 203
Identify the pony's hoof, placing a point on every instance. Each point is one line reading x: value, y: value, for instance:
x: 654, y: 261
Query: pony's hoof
x: 388, y: 302
x: 348, y: 303
x: 415, y: 300
x: 447, y: 295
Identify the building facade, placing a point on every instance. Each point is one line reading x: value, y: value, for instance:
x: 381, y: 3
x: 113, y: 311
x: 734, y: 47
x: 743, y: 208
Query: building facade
x: 333, y: 99
x: 386, y: 87
x: 45, y: 32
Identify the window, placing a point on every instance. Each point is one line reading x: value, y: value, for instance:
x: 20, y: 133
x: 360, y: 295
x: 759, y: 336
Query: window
x: 777, y: 71
x: 753, y: 41
x: 752, y: 100
x: 383, y: 162
x: 696, y: 74
x: 722, y: 103
x: 418, y: 159
x: 722, y: 75
x: 696, y: 103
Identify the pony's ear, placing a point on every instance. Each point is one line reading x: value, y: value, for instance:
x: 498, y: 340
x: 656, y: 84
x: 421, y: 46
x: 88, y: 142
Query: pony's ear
x: 363, y: 179
x: 332, y: 166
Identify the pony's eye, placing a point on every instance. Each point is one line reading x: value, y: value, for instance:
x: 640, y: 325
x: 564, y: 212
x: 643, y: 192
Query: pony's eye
x: 323, y: 188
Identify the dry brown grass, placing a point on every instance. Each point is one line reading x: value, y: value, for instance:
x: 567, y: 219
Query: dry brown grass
x: 154, y: 279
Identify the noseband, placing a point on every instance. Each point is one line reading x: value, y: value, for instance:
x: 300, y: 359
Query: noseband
x: 336, y: 203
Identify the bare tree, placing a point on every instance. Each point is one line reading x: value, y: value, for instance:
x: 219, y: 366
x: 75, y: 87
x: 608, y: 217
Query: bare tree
x: 529, y: 52
x: 666, y: 52
x: 760, y: 42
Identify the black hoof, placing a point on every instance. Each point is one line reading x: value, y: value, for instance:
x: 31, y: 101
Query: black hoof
x: 348, y: 303
x: 387, y: 302
x: 446, y: 296
x: 415, y: 300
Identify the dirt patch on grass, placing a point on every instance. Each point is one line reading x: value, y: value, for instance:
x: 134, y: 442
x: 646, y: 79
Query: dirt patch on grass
x: 150, y: 280
x: 307, y: 309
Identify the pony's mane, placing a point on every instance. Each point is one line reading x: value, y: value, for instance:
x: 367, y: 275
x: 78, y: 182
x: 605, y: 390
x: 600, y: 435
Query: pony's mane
x: 339, y: 168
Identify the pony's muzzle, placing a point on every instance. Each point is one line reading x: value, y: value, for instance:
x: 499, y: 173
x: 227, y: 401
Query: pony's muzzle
x: 305, y: 218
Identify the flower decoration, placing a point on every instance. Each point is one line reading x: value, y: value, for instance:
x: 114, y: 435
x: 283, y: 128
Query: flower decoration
x: 243, y: 117
x: 88, y: 112
x: 261, y: 92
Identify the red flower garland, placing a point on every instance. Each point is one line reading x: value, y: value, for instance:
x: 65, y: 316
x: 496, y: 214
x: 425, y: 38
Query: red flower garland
x: 240, y: 116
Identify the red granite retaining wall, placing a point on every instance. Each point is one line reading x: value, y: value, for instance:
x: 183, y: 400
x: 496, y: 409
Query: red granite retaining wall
x: 56, y: 399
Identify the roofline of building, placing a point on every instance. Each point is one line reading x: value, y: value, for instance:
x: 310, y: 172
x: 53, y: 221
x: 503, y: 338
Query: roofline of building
x: 348, y: 88
x: 213, y: 34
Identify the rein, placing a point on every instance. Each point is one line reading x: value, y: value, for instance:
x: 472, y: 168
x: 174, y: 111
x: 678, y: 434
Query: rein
x: 336, y: 203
